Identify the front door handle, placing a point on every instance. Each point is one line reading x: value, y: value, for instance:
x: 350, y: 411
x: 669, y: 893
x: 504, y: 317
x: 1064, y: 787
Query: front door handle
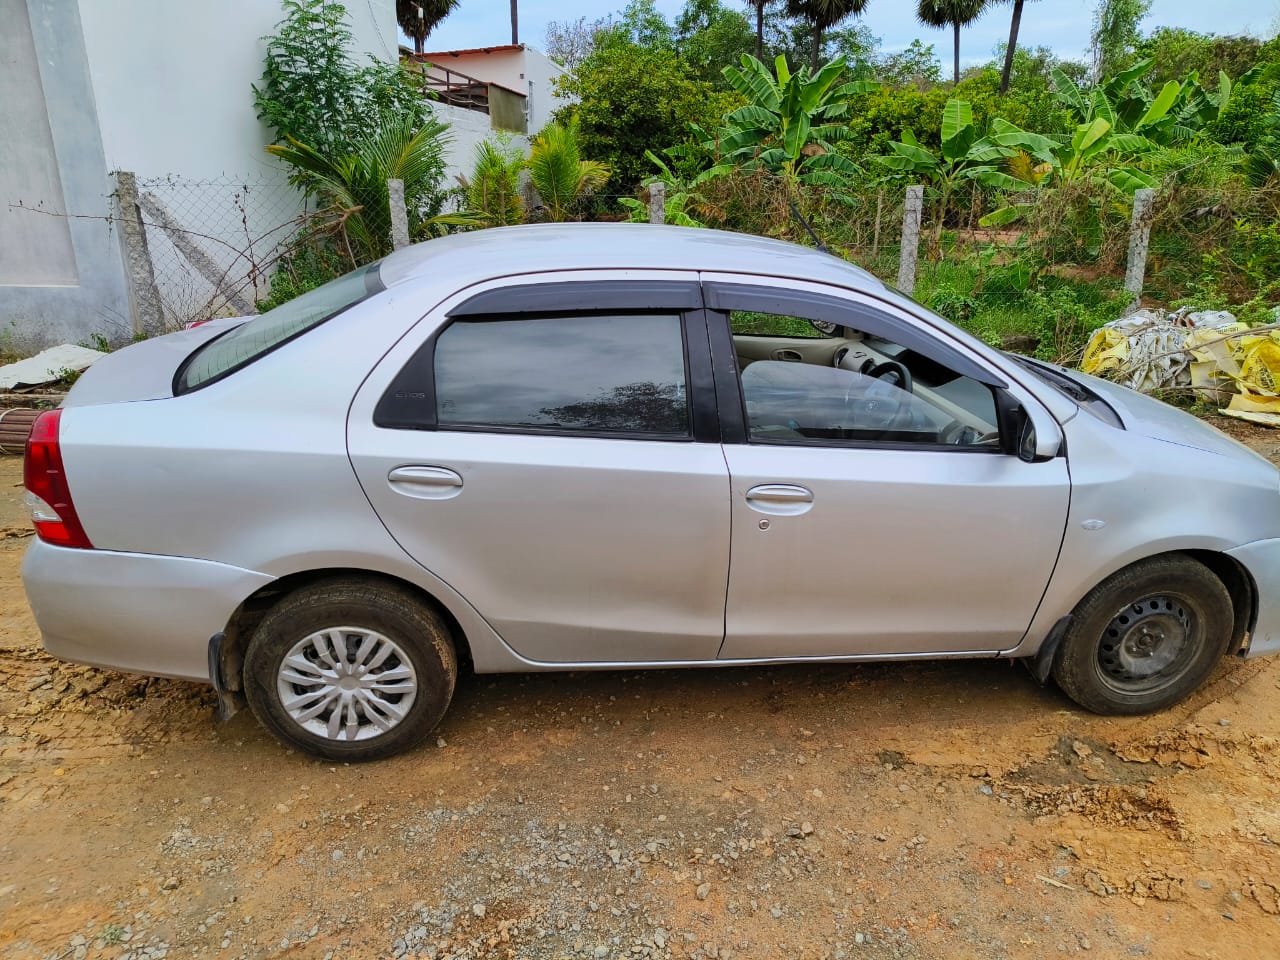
x: 424, y: 482
x: 781, y: 499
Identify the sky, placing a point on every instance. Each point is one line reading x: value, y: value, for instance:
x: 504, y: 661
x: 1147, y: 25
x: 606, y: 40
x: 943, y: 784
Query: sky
x: 1061, y: 25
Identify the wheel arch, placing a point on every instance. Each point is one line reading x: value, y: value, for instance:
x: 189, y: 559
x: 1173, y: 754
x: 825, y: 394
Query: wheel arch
x: 246, y: 617
x: 1239, y: 583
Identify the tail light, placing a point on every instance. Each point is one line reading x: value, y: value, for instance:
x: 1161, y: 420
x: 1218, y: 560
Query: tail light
x: 48, y: 495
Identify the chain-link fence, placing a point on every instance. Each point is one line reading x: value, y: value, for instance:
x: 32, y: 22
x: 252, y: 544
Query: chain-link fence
x: 211, y: 245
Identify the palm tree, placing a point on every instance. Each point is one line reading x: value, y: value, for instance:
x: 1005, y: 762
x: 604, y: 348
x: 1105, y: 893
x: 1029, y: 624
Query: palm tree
x: 558, y: 173
x: 759, y: 7
x: 417, y: 18
x: 822, y: 15
x: 950, y: 13
x: 1014, y: 25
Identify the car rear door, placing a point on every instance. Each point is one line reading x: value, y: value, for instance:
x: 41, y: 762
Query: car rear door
x: 549, y: 448
x: 881, y: 545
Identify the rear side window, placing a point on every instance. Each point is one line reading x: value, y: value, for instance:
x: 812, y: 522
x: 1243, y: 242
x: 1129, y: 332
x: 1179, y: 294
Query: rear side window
x: 580, y: 374
x: 246, y: 343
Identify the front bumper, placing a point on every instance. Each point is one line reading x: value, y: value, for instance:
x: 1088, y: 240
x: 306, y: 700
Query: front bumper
x: 129, y: 611
x: 1262, y: 559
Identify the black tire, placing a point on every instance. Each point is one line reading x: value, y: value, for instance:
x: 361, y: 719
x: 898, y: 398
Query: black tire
x: 412, y: 638
x: 1145, y: 638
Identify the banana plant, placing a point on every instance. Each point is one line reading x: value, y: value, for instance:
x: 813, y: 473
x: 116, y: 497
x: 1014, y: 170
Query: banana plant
x: 680, y: 196
x: 1177, y: 112
x: 791, y: 122
x: 1094, y: 151
x: 964, y: 157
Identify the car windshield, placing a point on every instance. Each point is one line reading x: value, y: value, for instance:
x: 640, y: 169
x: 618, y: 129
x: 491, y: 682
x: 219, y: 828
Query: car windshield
x: 242, y: 345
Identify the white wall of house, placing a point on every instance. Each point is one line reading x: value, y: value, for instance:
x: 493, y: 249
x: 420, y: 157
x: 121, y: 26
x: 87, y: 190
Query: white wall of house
x: 171, y: 81
x: 467, y: 130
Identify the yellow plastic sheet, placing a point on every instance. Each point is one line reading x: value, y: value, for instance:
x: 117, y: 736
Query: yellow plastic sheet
x: 1225, y: 363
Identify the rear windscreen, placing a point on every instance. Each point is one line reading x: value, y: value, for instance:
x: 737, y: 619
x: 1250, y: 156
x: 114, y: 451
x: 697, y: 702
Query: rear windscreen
x: 242, y: 345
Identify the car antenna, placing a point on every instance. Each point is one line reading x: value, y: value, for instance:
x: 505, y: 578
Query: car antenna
x: 795, y: 211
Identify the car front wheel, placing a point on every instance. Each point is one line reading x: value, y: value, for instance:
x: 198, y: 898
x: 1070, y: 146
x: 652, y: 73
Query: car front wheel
x: 1145, y: 638
x: 350, y: 670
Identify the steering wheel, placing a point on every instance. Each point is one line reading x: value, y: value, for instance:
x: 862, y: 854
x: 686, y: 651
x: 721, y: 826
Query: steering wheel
x: 892, y: 372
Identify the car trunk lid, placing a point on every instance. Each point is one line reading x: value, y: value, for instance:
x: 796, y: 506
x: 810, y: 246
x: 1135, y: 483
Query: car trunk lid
x: 144, y: 370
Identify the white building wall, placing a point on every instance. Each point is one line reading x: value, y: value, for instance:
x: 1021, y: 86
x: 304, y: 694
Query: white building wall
x: 467, y: 130
x: 172, y: 81
x: 540, y: 74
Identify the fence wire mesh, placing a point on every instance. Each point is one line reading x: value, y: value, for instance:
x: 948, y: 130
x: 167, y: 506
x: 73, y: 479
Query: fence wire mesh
x: 213, y: 244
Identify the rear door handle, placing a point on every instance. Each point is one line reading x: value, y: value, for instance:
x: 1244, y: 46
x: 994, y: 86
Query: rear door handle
x: 782, y: 499
x: 424, y: 482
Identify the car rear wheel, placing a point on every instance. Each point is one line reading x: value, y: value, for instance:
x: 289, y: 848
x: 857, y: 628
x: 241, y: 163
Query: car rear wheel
x: 1144, y: 639
x: 350, y: 670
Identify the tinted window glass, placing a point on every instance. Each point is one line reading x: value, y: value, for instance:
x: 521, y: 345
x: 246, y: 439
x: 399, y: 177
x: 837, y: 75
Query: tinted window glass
x: 258, y: 336
x: 599, y: 374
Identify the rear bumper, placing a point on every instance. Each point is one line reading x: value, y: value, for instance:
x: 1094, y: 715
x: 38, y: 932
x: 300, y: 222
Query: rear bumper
x: 134, y: 612
x: 1262, y: 559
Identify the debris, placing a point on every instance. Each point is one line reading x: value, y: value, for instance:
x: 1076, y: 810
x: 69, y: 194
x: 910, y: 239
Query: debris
x: 1054, y: 883
x: 48, y: 366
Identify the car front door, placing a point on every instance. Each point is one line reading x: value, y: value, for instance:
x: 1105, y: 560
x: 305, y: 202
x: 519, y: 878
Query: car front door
x: 550, y: 450
x: 876, y: 511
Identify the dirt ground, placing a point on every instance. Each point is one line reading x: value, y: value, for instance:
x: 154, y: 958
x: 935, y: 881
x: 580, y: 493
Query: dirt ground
x: 939, y: 810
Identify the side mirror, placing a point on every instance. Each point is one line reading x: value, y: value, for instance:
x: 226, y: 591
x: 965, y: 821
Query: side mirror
x: 1023, y: 435
x: 825, y: 327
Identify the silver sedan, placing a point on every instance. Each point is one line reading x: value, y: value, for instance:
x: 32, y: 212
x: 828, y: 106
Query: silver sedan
x: 601, y: 446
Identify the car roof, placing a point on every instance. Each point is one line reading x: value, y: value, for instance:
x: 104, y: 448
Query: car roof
x: 476, y: 256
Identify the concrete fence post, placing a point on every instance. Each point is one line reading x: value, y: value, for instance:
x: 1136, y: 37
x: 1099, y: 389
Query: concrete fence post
x: 1139, y: 239
x: 144, y: 296
x: 910, y: 239
x: 657, y: 202
x: 399, y: 214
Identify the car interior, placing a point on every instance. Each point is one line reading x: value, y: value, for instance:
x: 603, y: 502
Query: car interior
x: 811, y: 381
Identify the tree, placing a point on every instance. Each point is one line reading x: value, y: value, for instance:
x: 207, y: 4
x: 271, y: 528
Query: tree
x: 643, y: 24
x: 1115, y: 34
x: 570, y: 42
x: 559, y: 174
x: 822, y: 15
x: 710, y: 37
x: 915, y: 66
x: 631, y: 99
x: 1014, y: 25
x: 950, y: 13
x: 760, y: 7
x: 417, y: 18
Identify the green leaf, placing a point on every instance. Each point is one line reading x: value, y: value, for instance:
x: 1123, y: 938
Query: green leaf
x: 1129, y: 143
x: 796, y: 136
x: 957, y: 116
x: 1127, y: 179
x: 752, y: 115
x: 1002, y: 217
x: 1067, y: 93
x: 1089, y: 134
x: 1163, y: 102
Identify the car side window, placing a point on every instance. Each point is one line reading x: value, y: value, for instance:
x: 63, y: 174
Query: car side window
x: 591, y: 374
x: 750, y: 323
x: 860, y: 389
